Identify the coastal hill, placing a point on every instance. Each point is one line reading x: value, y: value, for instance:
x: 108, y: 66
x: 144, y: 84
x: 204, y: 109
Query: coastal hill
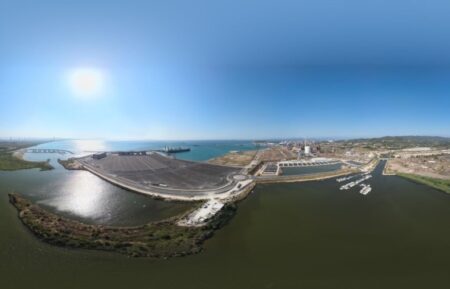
x: 398, y: 142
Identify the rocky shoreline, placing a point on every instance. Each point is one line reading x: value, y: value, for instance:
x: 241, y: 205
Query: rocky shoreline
x: 70, y: 164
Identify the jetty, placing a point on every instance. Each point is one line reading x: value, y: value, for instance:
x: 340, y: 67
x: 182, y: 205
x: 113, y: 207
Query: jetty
x: 202, y: 215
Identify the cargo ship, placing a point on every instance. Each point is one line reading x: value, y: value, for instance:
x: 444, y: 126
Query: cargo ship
x: 171, y: 150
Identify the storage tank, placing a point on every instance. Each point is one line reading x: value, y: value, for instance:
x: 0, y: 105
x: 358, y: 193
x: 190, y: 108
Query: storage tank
x: 307, y: 150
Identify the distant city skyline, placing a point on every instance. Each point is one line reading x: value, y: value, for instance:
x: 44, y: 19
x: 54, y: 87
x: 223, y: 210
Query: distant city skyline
x: 227, y: 70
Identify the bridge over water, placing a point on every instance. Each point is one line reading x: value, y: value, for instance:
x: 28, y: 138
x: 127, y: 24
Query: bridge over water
x: 49, y: 151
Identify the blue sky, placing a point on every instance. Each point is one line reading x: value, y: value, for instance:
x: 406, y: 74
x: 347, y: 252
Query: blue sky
x: 226, y: 69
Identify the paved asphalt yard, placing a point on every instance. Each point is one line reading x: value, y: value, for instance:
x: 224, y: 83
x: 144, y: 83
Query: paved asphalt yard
x: 163, y: 174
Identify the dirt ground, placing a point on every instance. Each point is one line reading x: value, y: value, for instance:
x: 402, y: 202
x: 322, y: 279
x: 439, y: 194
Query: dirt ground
x: 234, y: 159
x: 430, y: 166
x: 277, y: 153
x: 243, y: 158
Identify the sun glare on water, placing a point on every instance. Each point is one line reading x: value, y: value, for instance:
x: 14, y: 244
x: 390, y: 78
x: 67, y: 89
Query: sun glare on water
x: 86, y: 81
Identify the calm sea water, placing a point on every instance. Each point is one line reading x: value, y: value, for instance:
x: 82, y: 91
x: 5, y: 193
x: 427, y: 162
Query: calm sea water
x: 296, y: 235
x: 200, y: 150
x: 291, y: 171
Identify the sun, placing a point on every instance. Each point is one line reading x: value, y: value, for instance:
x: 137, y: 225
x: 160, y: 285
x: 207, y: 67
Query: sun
x: 86, y: 81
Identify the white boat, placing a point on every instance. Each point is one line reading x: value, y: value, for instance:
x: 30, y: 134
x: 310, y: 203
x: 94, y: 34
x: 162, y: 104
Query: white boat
x: 354, y: 183
x: 347, y: 186
x: 344, y: 179
x: 365, y: 189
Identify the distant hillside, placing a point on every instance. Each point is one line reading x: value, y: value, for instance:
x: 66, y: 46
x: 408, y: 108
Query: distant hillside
x: 399, y: 142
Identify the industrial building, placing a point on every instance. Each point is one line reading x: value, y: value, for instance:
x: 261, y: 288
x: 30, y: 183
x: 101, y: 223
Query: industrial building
x: 132, y: 153
x: 98, y: 156
x: 307, y: 150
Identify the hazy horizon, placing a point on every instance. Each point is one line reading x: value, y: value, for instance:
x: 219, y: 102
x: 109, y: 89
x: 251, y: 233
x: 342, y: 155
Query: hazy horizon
x: 51, y: 139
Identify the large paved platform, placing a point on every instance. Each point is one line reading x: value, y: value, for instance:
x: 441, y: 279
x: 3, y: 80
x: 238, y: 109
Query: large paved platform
x: 160, y: 174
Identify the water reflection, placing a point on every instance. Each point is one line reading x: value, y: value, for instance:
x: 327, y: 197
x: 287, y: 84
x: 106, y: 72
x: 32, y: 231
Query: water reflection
x: 89, y: 145
x: 82, y: 195
x: 85, y: 197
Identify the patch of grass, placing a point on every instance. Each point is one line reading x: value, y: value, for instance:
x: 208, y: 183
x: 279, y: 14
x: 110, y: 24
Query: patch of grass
x: 8, y: 162
x: 440, y: 184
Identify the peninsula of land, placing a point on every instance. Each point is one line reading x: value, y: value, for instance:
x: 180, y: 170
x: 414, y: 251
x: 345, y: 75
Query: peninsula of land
x: 162, y: 239
x: 11, y: 157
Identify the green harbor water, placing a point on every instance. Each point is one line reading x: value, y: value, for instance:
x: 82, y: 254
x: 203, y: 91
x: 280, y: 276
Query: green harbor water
x: 296, y: 235
x: 305, y: 170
